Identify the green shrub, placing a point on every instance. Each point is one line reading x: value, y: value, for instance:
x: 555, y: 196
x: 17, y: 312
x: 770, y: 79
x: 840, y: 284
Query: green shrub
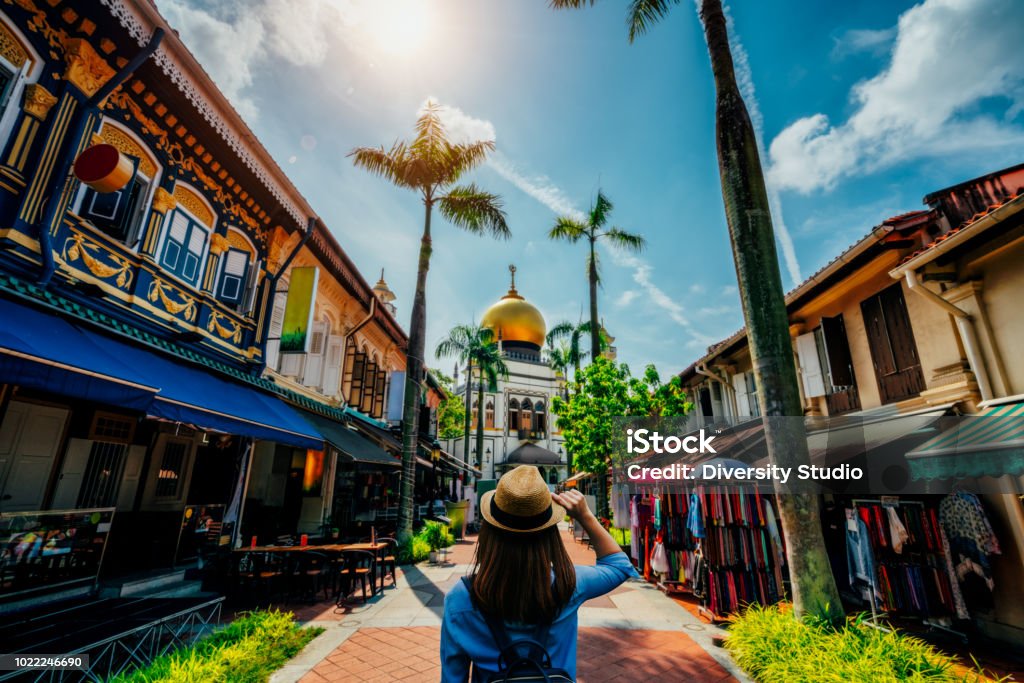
x: 437, y: 535
x: 248, y: 650
x: 414, y: 550
x: 772, y: 646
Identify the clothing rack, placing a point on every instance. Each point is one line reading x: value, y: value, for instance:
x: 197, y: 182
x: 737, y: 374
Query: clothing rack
x: 927, y: 621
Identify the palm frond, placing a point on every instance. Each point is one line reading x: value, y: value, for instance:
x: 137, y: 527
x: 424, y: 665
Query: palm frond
x: 571, y: 4
x: 463, y: 157
x: 458, y: 343
x: 626, y: 240
x: 474, y: 210
x: 567, y: 229
x: 643, y: 14
x: 431, y: 136
x: 561, y: 330
x: 600, y: 210
x: 394, y: 165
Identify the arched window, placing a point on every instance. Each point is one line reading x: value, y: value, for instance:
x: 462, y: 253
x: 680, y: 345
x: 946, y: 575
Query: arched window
x: 236, y: 281
x: 19, y: 66
x: 489, y: 414
x: 526, y: 416
x: 513, y: 416
x: 540, y: 420
x: 122, y: 214
x: 187, y: 235
x: 553, y: 475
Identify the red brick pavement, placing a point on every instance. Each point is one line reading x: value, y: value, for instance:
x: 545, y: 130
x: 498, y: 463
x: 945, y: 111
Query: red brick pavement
x: 604, y: 654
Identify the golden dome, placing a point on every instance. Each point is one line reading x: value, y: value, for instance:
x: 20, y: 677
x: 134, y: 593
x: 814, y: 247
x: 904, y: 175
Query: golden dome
x: 513, y: 319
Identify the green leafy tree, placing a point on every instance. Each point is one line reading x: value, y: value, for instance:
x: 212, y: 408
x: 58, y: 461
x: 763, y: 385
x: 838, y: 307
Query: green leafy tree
x: 477, y: 347
x: 603, y: 391
x: 431, y: 165
x: 748, y: 215
x: 591, y: 229
x: 451, y: 414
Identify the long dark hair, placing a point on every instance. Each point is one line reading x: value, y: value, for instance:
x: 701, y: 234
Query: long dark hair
x: 512, y: 574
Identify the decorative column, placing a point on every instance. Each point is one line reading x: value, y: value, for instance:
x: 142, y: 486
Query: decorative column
x: 85, y: 74
x: 163, y: 203
x: 37, y: 104
x: 218, y: 245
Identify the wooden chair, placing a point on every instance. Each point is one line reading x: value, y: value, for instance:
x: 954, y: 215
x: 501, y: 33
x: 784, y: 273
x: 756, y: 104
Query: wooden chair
x: 310, y: 574
x: 357, y: 565
x: 263, y: 573
x: 387, y: 561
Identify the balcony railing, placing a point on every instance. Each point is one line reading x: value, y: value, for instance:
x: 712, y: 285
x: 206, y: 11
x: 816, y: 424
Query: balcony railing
x: 89, y: 255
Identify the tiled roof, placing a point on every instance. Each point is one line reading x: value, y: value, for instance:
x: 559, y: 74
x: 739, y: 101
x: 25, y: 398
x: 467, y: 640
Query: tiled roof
x: 970, y: 222
x: 61, y: 305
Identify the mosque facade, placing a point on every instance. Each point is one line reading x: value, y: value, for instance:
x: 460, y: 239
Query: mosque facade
x: 519, y: 426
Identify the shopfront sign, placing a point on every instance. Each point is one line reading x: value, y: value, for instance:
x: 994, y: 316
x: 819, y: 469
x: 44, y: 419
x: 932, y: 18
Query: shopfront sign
x: 298, y: 311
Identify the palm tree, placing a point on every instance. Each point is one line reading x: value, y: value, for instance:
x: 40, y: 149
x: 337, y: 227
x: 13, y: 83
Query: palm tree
x: 748, y: 215
x: 572, y: 336
x: 477, y: 346
x: 431, y: 166
x: 461, y: 342
x: 572, y: 229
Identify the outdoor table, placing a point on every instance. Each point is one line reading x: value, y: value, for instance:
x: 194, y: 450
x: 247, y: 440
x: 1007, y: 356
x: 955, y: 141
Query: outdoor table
x: 374, y: 548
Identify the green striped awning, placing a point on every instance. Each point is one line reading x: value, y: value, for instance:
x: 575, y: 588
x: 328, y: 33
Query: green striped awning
x: 990, y: 444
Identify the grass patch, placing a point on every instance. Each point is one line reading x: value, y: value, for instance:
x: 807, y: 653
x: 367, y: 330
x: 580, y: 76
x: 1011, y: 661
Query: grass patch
x: 773, y: 647
x: 248, y: 650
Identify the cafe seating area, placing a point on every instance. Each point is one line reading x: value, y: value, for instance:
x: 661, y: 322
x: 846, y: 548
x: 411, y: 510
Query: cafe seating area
x: 304, y: 572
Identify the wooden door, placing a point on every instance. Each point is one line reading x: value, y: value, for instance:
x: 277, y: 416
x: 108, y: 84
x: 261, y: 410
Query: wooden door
x: 30, y: 437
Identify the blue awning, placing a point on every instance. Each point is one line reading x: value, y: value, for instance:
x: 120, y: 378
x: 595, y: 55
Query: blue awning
x: 48, y: 353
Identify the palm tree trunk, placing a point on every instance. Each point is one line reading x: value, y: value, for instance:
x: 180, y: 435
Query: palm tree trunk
x: 760, y: 284
x: 595, y: 330
x: 480, y: 421
x: 413, y: 378
x: 465, y: 437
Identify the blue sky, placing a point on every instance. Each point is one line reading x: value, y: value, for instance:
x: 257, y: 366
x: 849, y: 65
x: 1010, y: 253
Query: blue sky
x: 863, y: 109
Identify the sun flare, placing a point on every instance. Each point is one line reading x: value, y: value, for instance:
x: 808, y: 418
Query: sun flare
x: 399, y: 27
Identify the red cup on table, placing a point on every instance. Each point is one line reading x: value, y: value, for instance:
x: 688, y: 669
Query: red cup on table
x: 303, y: 540
x: 253, y: 544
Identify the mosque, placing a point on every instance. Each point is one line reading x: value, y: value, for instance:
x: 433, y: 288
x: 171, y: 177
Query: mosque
x: 519, y: 427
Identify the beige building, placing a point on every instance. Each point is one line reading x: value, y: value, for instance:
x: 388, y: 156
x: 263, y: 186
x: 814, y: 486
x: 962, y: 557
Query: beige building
x: 921, y: 316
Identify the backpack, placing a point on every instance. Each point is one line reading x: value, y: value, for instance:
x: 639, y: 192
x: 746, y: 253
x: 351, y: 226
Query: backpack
x: 525, y: 660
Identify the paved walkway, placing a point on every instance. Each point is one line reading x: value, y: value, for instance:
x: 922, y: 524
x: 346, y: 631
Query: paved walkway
x: 634, y: 633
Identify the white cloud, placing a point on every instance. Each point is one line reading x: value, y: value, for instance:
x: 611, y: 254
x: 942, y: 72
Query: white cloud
x: 461, y: 126
x: 626, y: 298
x: 697, y: 288
x: 729, y: 290
x: 876, y: 42
x: 745, y: 80
x: 949, y: 56
x: 227, y: 49
x: 539, y: 187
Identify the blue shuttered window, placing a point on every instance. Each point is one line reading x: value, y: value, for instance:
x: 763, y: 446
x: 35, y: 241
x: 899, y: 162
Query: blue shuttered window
x: 184, y: 247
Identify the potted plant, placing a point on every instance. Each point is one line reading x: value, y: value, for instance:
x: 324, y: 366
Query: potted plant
x: 434, y: 535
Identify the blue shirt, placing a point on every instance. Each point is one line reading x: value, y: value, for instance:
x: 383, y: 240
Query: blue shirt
x: 465, y: 636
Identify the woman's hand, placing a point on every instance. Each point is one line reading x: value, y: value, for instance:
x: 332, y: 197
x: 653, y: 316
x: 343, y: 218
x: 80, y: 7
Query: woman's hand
x: 574, y: 503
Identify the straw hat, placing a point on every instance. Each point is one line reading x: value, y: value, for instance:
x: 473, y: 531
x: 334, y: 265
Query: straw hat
x: 521, y: 503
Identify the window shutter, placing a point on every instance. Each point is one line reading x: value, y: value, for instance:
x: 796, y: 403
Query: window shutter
x: 878, y: 336
x: 837, y: 351
x: 739, y: 384
x: 315, y: 358
x: 72, y: 473
x: 274, y: 335
x: 291, y: 364
x: 332, y: 365
x: 369, y: 382
x: 355, y: 398
x: 130, y: 477
x: 233, y: 276
x: 810, y: 367
x: 378, y: 393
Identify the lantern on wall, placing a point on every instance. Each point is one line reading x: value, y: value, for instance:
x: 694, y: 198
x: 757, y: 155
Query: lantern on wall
x: 103, y: 168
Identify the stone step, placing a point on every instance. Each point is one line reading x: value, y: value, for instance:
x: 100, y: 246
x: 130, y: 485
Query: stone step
x: 143, y: 584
